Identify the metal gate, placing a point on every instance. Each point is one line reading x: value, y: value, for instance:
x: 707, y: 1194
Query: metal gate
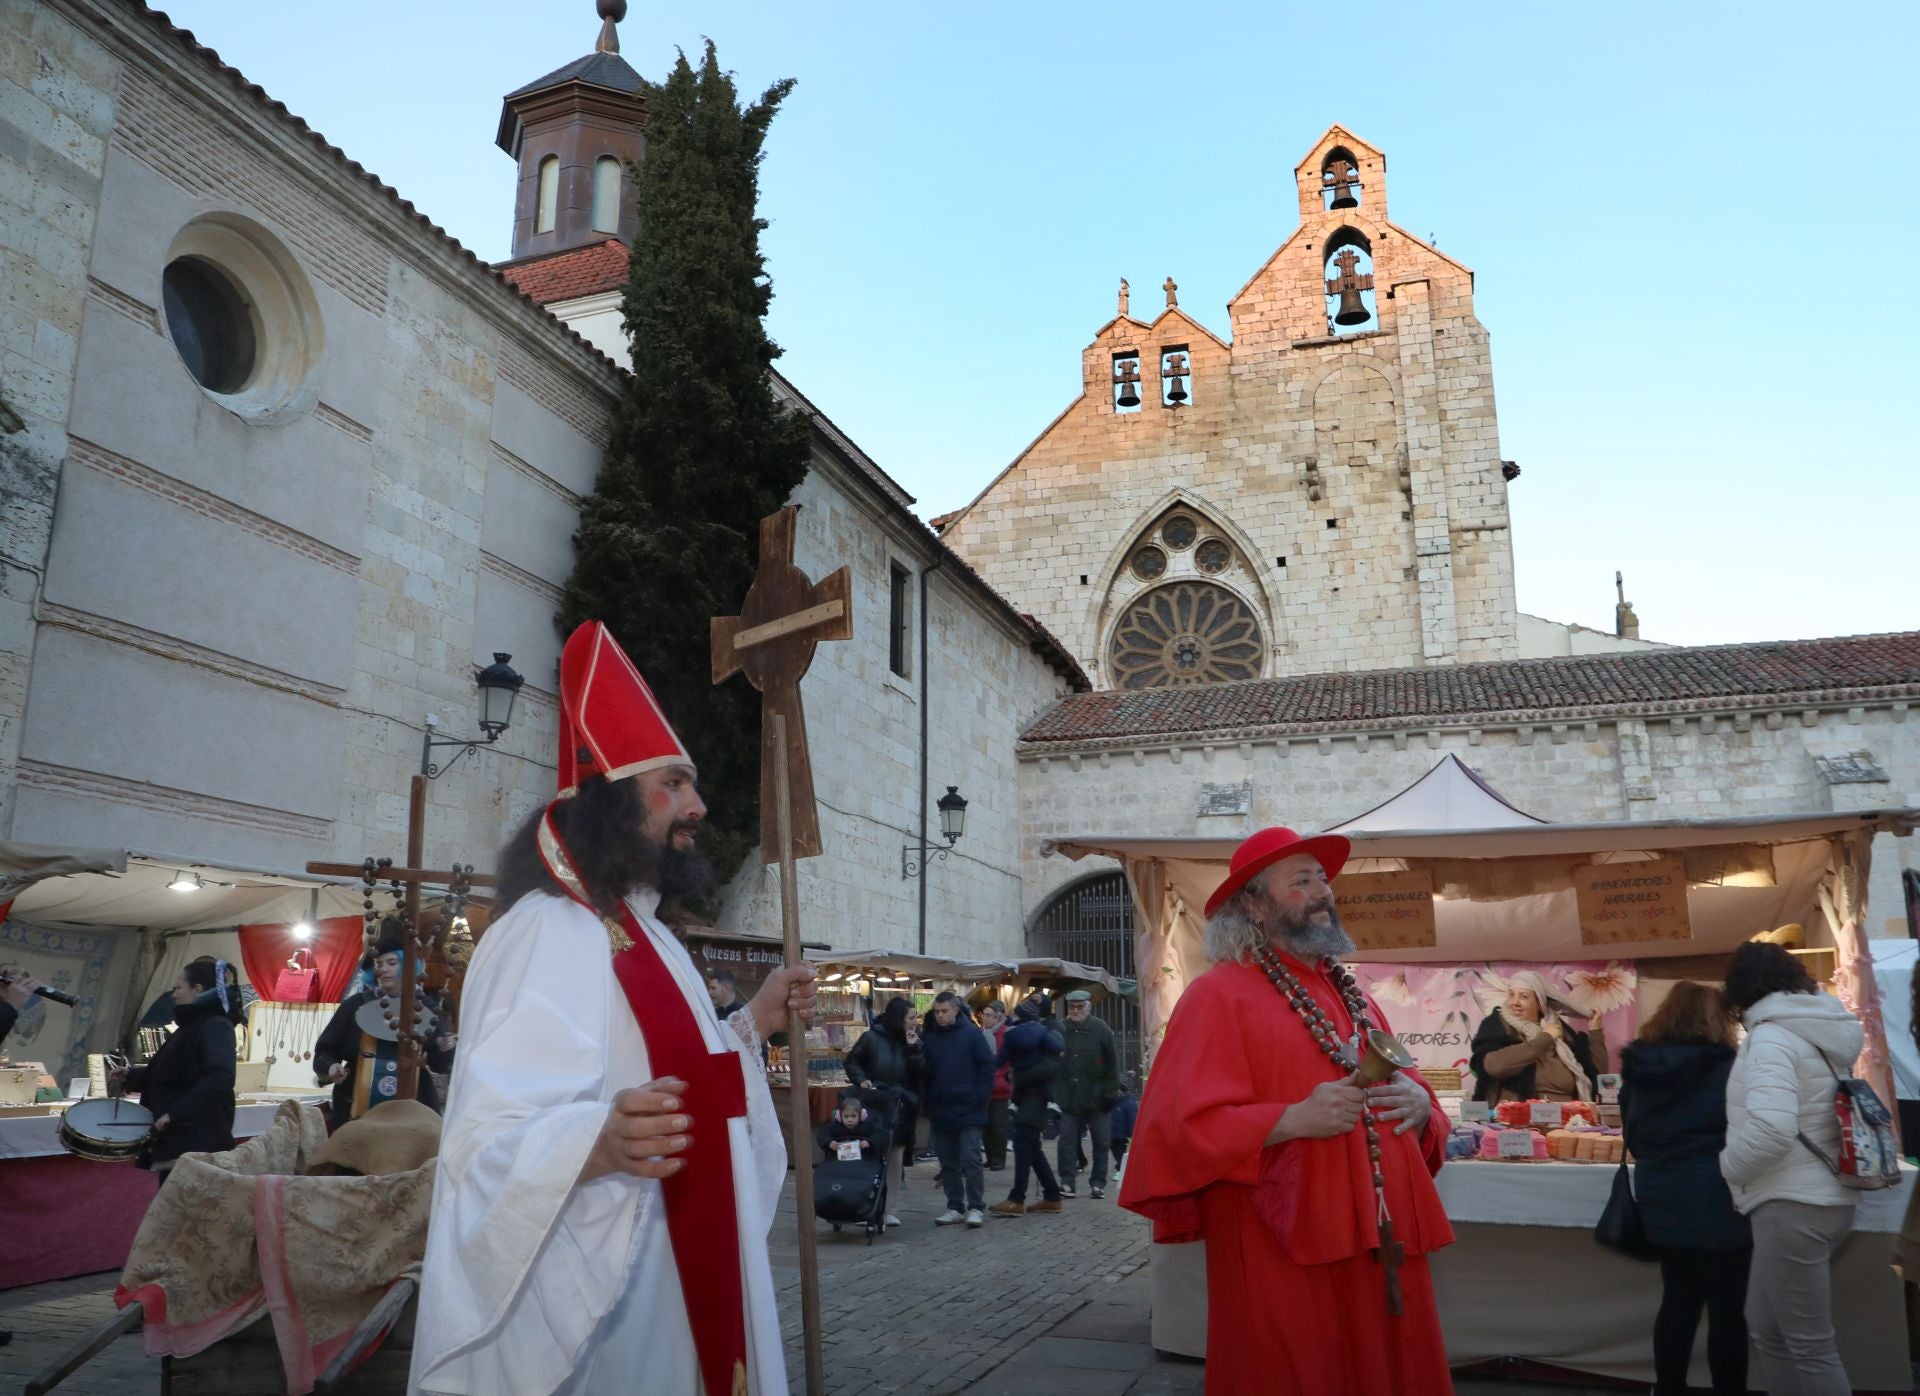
x: 1091, y: 923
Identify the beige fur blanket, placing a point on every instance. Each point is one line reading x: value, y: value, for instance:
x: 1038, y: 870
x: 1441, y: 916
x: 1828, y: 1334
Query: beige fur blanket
x: 232, y: 1234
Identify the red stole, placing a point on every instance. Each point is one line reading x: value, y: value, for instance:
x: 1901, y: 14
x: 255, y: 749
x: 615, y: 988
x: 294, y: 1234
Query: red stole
x: 702, y: 1222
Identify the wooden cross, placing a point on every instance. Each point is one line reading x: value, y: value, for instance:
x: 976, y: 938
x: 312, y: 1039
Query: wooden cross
x: 772, y: 641
x: 1347, y: 281
x: 1391, y: 1255
x: 1176, y: 366
x: 1127, y: 374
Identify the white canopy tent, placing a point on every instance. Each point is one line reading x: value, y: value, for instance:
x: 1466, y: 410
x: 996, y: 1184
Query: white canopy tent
x: 941, y: 969
x: 1504, y: 892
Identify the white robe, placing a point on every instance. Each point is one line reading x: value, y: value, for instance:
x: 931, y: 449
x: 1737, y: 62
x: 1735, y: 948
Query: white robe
x: 534, y: 1283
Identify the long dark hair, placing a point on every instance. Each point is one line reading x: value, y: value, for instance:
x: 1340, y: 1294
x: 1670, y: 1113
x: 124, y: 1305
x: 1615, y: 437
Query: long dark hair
x: 1759, y: 968
x: 601, y: 827
x: 1692, y: 1013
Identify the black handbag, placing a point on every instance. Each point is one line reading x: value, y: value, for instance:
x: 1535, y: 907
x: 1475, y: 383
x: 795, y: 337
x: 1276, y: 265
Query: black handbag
x: 1620, y: 1228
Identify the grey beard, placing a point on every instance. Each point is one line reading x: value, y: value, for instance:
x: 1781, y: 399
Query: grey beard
x: 1310, y: 940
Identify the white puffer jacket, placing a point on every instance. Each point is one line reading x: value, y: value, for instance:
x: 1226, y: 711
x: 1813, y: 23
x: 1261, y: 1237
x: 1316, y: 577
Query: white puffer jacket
x: 1780, y: 1087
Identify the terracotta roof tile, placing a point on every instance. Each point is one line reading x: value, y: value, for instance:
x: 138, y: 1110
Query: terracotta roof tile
x: 565, y: 276
x: 1787, y: 673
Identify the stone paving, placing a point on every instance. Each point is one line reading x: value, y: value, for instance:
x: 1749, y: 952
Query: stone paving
x: 1045, y: 1303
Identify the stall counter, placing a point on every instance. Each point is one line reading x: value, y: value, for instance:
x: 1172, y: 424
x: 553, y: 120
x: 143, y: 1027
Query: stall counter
x: 1515, y: 1223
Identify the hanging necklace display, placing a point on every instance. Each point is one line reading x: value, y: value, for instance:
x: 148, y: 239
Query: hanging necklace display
x: 1378, y: 1059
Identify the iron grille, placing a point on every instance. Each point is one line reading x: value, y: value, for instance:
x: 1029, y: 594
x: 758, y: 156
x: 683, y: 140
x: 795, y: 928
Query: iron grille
x: 1092, y: 924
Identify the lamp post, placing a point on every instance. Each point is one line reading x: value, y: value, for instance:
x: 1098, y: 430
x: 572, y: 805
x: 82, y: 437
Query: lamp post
x: 499, y: 685
x: 914, y: 857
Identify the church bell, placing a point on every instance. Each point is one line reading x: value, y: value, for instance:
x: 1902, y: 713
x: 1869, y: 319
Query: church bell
x: 1341, y: 179
x: 1129, y: 394
x: 1352, y: 311
x: 1176, y: 391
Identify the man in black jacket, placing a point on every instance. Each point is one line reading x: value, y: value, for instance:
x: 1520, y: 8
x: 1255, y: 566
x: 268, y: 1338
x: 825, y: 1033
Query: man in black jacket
x: 1032, y: 1049
x: 343, y: 1049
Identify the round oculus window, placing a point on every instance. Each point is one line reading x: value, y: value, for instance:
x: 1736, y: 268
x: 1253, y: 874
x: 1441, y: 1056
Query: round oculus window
x: 1149, y: 563
x: 211, y: 324
x: 1179, y: 532
x: 1213, y: 556
x: 1185, y: 633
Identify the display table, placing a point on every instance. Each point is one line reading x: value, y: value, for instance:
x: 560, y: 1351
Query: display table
x: 70, y: 1216
x: 1523, y: 1226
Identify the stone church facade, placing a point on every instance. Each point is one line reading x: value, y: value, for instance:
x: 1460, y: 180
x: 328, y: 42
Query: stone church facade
x: 236, y: 585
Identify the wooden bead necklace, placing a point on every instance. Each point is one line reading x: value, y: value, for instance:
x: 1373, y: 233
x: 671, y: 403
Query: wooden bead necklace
x: 1389, y: 1253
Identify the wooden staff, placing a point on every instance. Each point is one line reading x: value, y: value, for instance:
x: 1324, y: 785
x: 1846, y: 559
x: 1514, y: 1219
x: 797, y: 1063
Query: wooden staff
x: 799, y: 1110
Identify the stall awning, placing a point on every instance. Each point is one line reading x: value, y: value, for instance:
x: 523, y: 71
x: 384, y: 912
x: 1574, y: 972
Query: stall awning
x: 132, y: 890
x: 939, y: 967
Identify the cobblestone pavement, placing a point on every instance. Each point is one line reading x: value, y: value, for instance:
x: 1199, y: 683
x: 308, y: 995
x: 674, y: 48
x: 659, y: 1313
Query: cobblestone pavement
x: 1054, y: 1304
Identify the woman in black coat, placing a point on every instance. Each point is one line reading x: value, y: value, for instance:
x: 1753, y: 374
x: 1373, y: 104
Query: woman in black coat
x: 1523, y: 1051
x: 1673, y: 1105
x: 188, y: 1084
x: 883, y: 1056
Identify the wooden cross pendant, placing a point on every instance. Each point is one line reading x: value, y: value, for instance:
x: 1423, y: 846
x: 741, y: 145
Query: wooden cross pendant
x: 1391, y: 1255
x: 771, y: 641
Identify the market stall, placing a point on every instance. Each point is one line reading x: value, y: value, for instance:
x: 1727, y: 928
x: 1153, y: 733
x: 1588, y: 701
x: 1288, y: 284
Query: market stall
x: 1632, y: 904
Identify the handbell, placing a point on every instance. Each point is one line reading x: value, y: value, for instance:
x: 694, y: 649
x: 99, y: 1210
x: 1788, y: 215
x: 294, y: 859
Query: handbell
x: 1352, y: 311
x: 1383, y: 1057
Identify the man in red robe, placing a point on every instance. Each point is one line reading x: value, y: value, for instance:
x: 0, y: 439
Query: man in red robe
x: 1250, y: 1138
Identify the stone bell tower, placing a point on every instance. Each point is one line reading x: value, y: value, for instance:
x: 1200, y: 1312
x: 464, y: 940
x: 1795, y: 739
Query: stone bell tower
x: 575, y: 132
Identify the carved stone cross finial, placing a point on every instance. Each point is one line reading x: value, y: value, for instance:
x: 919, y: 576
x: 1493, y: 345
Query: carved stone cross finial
x: 1172, y: 288
x: 772, y: 641
x: 1125, y: 293
x: 1347, y: 281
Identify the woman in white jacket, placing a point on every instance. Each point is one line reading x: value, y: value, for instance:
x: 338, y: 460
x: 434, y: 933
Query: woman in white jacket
x: 1779, y: 1110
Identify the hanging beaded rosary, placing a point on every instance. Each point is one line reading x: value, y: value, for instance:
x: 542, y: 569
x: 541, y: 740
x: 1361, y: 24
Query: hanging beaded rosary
x: 1390, y: 1253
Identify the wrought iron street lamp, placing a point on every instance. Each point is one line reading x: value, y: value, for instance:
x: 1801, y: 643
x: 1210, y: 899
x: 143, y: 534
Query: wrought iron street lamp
x: 953, y: 823
x: 499, y: 685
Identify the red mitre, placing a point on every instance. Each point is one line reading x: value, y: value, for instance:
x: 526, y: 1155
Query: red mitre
x: 610, y: 723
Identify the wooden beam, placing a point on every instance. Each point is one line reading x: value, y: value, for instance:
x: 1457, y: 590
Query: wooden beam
x: 355, y: 871
x: 89, y: 1347
x: 788, y: 625
x: 372, y: 1329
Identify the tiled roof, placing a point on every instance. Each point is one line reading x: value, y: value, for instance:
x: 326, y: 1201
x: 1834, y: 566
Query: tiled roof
x: 565, y: 276
x: 596, y: 69
x: 1783, y: 674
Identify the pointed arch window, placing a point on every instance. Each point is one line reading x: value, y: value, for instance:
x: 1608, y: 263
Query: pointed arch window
x: 546, y: 208
x: 1349, y: 278
x: 1185, y: 608
x: 1340, y: 179
x: 606, y: 195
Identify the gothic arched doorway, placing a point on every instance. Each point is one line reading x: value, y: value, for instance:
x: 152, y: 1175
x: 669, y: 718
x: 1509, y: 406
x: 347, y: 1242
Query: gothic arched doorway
x: 1091, y: 923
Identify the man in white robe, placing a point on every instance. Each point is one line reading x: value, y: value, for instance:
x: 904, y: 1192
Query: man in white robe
x: 550, y: 1267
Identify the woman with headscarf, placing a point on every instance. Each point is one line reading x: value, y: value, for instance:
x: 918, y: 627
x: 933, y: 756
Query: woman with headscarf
x: 885, y: 1056
x: 188, y: 1084
x: 1523, y: 1051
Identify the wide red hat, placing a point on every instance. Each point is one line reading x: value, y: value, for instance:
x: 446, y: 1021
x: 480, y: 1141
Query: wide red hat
x: 1268, y: 847
x: 610, y: 723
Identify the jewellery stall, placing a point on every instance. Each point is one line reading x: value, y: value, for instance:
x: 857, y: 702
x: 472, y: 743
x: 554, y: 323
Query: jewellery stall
x: 1467, y: 902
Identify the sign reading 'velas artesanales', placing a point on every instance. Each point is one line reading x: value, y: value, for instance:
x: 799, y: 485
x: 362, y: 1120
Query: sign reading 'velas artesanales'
x: 1387, y: 911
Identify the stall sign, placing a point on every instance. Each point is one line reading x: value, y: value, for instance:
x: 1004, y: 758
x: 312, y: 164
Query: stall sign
x: 1628, y: 903
x: 1387, y: 911
x: 1515, y: 1143
x: 723, y: 956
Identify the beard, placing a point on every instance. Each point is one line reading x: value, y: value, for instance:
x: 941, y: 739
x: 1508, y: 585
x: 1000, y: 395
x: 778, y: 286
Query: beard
x: 677, y: 874
x: 1306, y: 938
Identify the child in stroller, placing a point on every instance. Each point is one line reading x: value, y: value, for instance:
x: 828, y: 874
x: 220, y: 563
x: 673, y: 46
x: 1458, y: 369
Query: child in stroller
x: 850, y: 1180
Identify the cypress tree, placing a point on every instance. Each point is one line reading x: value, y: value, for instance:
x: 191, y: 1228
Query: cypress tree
x: 699, y: 451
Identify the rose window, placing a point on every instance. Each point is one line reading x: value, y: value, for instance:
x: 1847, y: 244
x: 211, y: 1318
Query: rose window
x: 1186, y: 633
x: 1213, y: 556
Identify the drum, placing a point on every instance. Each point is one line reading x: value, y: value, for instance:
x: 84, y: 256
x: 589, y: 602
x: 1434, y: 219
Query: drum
x: 106, y: 1131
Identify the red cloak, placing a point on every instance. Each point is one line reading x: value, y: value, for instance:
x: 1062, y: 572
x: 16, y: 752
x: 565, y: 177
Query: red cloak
x: 1296, y: 1301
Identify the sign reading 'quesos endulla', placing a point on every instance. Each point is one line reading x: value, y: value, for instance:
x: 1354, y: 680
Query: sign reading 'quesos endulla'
x: 1623, y: 903
x: 1387, y: 911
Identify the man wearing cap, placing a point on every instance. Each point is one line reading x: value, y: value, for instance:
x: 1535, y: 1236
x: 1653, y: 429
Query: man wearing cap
x: 1086, y: 1089
x: 611, y: 1160
x: 1253, y: 1137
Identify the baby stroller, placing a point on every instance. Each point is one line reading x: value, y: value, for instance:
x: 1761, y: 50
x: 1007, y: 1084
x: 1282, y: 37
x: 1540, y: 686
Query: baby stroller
x: 853, y: 1192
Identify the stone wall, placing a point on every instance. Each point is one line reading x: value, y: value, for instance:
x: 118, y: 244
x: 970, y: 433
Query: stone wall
x: 56, y: 109
x: 982, y: 687
x: 1361, y: 469
x: 252, y: 607
x: 1699, y: 766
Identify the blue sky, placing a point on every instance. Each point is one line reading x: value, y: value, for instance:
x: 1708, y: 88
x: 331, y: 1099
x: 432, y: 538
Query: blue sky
x: 1690, y: 224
